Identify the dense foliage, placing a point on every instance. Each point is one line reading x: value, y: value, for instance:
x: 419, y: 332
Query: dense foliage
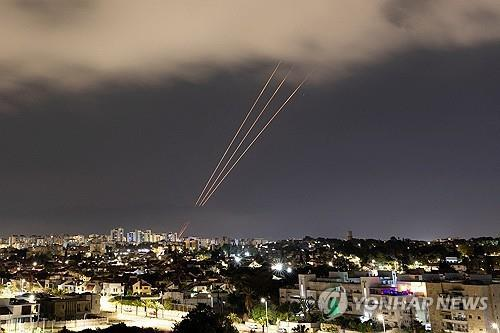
x: 118, y: 328
x: 204, y: 320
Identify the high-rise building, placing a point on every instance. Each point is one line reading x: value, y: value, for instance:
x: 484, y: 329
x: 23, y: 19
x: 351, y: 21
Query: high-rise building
x: 117, y: 235
x: 147, y: 236
x: 131, y: 237
x: 172, y: 237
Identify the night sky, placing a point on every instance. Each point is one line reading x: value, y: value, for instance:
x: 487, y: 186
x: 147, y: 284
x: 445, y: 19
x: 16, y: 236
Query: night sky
x: 406, y: 143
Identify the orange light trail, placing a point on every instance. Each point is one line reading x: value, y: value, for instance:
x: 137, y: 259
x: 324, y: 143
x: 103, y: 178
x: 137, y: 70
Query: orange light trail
x: 253, y: 141
x: 238, y: 132
x: 246, y: 135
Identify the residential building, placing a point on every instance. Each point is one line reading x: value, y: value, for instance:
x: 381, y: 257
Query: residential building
x: 117, y: 235
x: 69, y: 307
x: 112, y: 289
x: 392, y: 299
x: 15, y: 311
x: 457, y: 306
x: 141, y: 287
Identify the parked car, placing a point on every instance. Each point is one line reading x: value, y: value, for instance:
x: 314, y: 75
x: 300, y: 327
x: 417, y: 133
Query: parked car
x: 253, y: 326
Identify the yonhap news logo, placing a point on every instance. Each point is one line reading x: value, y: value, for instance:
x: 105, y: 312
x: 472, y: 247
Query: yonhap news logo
x: 333, y: 302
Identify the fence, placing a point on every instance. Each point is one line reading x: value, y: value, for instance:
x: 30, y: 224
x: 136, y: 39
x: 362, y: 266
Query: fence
x: 176, y: 314
x: 51, y: 325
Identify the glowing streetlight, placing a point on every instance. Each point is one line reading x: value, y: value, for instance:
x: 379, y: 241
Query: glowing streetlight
x: 277, y: 267
x: 289, y: 270
x: 381, y: 318
x: 495, y: 327
x: 264, y: 301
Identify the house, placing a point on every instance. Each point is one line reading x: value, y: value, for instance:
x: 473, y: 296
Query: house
x: 141, y: 287
x: 89, y: 287
x: 14, y: 311
x: 68, y: 286
x: 69, y: 307
x: 112, y: 289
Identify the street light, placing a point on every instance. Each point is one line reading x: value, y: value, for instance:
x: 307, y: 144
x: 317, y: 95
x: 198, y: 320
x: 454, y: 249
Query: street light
x: 381, y: 318
x: 279, y: 267
x: 495, y: 327
x: 263, y: 300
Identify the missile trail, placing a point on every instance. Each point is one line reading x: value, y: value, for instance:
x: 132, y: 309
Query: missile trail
x: 238, y: 132
x: 246, y: 135
x: 253, y: 141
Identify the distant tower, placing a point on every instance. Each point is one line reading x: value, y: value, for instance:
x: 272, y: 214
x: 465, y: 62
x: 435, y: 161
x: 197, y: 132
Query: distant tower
x: 349, y: 235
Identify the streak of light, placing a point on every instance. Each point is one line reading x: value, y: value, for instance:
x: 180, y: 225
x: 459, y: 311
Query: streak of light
x: 253, y: 141
x: 238, y: 132
x: 221, y: 172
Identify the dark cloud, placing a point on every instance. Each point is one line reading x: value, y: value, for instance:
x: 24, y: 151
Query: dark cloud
x: 78, y: 44
x: 53, y: 13
x: 408, y: 148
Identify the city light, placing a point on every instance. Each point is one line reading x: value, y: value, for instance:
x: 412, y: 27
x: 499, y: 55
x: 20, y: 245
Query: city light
x: 277, y: 267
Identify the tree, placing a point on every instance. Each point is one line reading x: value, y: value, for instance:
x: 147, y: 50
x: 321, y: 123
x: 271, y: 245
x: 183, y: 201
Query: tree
x: 118, y: 328
x: 288, y: 311
x: 248, y: 294
x: 155, y: 305
x: 56, y: 292
x: 204, y: 319
x: 356, y: 325
x: 168, y: 304
x: 416, y: 327
x: 234, y: 318
x: 307, y: 306
x: 259, y: 314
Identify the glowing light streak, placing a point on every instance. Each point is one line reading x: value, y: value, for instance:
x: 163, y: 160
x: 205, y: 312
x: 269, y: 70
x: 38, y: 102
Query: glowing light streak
x: 237, y: 132
x: 253, y: 141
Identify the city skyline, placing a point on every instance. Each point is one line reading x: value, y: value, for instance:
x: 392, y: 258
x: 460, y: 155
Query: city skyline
x: 395, y: 134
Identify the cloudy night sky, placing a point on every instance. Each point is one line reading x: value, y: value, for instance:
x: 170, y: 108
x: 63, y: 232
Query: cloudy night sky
x: 114, y: 113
